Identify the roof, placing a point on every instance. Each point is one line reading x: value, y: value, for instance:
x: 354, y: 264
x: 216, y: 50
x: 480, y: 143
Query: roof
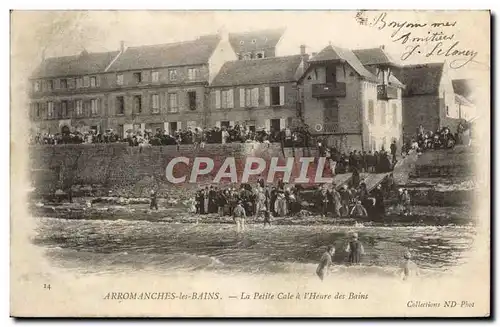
x: 462, y: 100
x: 195, y: 52
x: 462, y: 87
x: 82, y: 64
x: 334, y: 53
x: 421, y: 79
x: 255, y: 40
x: 374, y: 56
x: 258, y: 71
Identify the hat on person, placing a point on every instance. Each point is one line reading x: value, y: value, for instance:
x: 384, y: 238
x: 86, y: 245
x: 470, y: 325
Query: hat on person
x: 354, y: 235
x: 407, y: 255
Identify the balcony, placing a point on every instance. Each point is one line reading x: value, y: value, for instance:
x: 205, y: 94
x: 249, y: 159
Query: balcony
x: 329, y: 90
x: 386, y: 92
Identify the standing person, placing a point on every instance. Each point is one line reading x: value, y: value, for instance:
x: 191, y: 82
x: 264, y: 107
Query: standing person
x: 379, y: 209
x: 323, y: 196
x: 261, y: 181
x: 355, y: 176
x: 406, y: 201
x: 212, y: 200
x: 267, y: 218
x: 239, y: 216
x: 409, y: 268
x: 394, y: 150
x: 345, y: 198
x: 354, y: 250
x: 336, y: 201
x: 260, y: 203
x: 153, y: 200
x: 325, y: 262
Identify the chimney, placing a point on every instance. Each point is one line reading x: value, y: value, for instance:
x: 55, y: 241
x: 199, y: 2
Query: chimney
x: 303, y: 49
x: 122, y: 46
x: 382, y: 47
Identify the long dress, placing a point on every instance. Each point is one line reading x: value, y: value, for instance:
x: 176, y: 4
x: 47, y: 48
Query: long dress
x: 355, y: 250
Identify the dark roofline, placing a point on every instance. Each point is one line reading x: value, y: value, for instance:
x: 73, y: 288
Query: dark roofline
x: 246, y: 84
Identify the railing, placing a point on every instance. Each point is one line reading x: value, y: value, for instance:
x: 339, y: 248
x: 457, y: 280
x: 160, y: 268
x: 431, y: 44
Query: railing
x: 386, y: 92
x: 326, y: 90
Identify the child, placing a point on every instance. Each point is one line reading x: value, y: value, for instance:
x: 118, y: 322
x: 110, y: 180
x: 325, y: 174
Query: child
x: 354, y: 249
x: 267, y: 218
x: 409, y: 268
x: 358, y: 210
x: 239, y: 216
x: 325, y: 262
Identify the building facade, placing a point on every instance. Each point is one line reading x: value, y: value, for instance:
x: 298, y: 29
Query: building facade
x: 351, y: 107
x: 70, y: 93
x: 261, y: 94
x: 428, y: 99
x: 134, y: 89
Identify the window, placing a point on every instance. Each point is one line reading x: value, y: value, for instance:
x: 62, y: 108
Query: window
x: 119, y: 79
x: 37, y: 109
x: 447, y: 111
x: 193, y: 74
x: 79, y: 107
x: 275, y: 96
x: 64, y: 108
x: 64, y: 83
x: 50, y: 85
x: 138, y: 77
x: 383, y: 113
x: 192, y: 100
x: 260, y: 55
x: 394, y: 114
x: 371, y: 114
x: 227, y: 99
x: 155, y: 100
x: 120, y: 105
x: 93, y: 81
x: 50, y: 109
x: 252, y: 97
x: 137, y: 104
x: 37, y: 86
x: 71, y: 83
x: 79, y: 82
x: 155, y: 77
x: 94, y: 107
x: 172, y: 74
x: 173, y: 105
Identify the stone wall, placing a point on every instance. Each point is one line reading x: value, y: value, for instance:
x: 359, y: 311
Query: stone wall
x: 133, y: 171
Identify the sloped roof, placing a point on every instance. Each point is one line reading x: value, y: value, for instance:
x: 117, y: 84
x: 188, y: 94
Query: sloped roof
x: 258, y: 71
x: 421, y: 79
x: 374, y: 56
x: 462, y: 87
x: 195, y: 52
x: 462, y: 100
x: 83, y: 64
x: 255, y: 40
x: 334, y: 53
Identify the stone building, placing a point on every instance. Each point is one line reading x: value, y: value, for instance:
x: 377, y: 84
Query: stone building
x: 69, y: 93
x: 465, y: 95
x: 165, y: 86
x: 259, y: 93
x: 137, y: 88
x: 352, y: 99
x: 428, y: 99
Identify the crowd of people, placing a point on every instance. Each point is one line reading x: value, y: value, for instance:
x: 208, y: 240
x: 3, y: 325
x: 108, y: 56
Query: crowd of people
x: 441, y: 139
x: 197, y: 136
x: 360, y: 161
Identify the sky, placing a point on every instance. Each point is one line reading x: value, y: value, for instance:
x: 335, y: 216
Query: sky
x: 69, y: 32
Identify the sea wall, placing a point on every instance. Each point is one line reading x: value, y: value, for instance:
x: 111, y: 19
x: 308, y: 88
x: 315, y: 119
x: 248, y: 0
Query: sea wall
x: 133, y: 171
